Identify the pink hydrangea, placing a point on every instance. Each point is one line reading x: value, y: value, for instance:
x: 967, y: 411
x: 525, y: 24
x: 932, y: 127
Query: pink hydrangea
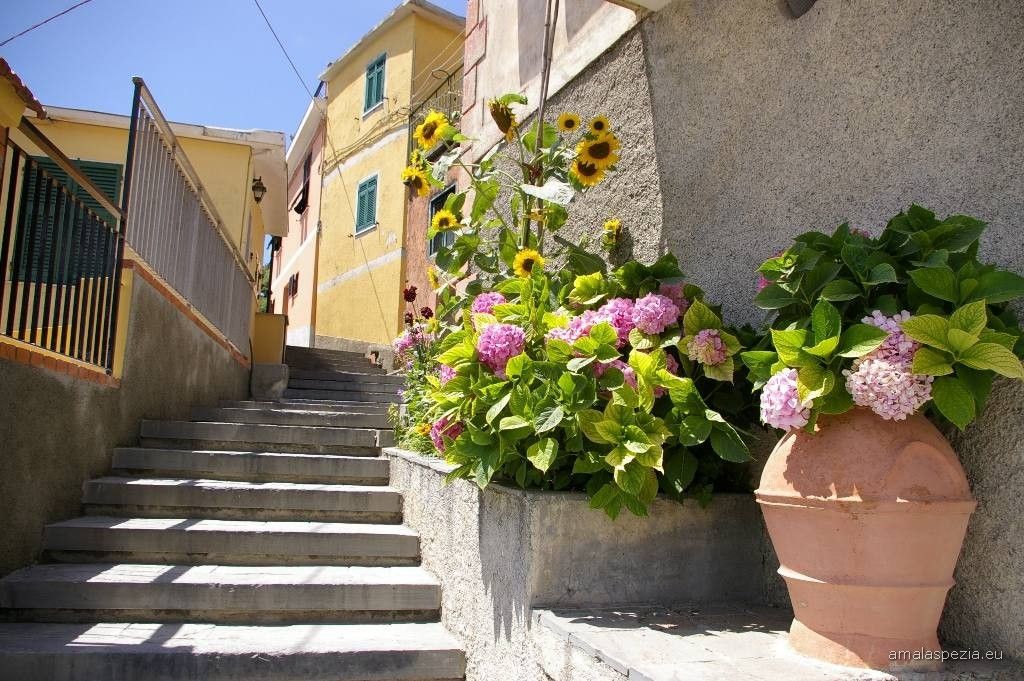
x: 444, y: 431
x: 578, y: 327
x: 619, y: 313
x: 707, y: 347
x: 654, y: 313
x: 485, y: 302
x: 498, y: 343
x: 627, y: 371
x: 674, y: 292
x: 672, y: 366
x: 762, y: 283
x: 445, y: 373
x: 882, y: 380
x: 780, y: 402
x: 409, y: 339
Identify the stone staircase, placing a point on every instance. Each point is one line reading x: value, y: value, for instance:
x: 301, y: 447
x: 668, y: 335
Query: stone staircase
x: 259, y: 541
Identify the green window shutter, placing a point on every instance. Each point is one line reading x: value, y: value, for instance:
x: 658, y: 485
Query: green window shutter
x: 87, y: 261
x: 366, y: 204
x: 374, y: 92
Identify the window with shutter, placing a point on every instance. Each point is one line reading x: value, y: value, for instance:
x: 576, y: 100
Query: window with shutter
x: 374, y: 93
x: 55, y: 226
x: 366, y: 205
x: 441, y: 239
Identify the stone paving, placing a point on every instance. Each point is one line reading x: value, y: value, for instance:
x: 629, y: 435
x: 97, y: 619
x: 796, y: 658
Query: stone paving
x: 721, y: 643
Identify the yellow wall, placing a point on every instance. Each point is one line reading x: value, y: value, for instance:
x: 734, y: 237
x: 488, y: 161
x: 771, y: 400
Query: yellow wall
x: 268, y: 338
x: 360, y: 278
x: 11, y: 105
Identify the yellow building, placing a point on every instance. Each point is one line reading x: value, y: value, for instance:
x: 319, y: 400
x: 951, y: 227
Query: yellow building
x: 370, y: 92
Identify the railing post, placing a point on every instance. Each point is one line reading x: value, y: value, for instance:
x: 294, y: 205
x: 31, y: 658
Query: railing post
x: 126, y: 190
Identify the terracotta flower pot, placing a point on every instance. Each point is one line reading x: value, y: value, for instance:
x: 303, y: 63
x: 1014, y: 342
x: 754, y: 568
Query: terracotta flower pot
x: 867, y: 517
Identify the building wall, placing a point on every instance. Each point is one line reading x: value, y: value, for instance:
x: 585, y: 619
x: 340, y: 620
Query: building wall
x: 59, y: 431
x: 762, y: 126
x: 299, y: 250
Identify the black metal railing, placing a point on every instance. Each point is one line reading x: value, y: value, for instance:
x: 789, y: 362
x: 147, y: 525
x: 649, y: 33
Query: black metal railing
x: 446, y: 98
x: 175, y: 228
x: 60, y: 255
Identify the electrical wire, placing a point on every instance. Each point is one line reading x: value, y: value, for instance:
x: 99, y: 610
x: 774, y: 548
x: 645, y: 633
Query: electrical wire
x: 286, y: 55
x: 45, y: 21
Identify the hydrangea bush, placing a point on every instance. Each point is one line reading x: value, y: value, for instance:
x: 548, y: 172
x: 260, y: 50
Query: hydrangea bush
x: 906, y: 321
x: 620, y: 383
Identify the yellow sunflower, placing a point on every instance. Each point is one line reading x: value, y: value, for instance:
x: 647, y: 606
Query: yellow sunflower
x: 526, y: 261
x: 444, y: 221
x: 431, y: 130
x: 601, y: 151
x: 416, y: 180
x: 423, y: 429
x: 612, y: 229
x: 432, y: 278
x: 600, y: 124
x: 568, y: 122
x: 586, y: 173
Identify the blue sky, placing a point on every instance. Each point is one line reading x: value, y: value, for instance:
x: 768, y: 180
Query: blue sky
x: 212, y: 62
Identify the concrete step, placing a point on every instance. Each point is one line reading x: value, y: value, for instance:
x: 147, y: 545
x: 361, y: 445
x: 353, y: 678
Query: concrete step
x: 310, y: 405
x: 294, y: 417
x: 229, y: 542
x: 87, y: 592
x: 344, y: 386
x: 251, y: 466
x: 229, y: 500
x: 340, y: 395
x: 353, y: 376
x: 325, y: 353
x: 190, y: 652
x: 310, y: 439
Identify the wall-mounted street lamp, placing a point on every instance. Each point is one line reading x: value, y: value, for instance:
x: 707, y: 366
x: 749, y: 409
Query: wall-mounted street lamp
x: 259, y: 189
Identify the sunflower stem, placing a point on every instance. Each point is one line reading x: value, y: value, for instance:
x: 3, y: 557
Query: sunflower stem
x: 550, y: 19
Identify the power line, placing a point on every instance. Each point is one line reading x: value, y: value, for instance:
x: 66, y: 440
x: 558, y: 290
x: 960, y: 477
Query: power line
x: 45, y: 21
x: 281, y: 45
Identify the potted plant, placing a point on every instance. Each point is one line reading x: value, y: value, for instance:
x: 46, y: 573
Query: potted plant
x: 574, y: 377
x: 874, y: 341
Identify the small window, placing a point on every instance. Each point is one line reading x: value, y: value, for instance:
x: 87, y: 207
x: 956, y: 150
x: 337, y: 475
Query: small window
x: 366, y: 205
x: 441, y: 239
x: 292, y: 289
x: 374, y: 83
x: 302, y: 200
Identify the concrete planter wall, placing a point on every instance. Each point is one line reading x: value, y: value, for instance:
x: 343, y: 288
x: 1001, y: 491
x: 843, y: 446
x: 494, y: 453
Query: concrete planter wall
x: 501, y: 552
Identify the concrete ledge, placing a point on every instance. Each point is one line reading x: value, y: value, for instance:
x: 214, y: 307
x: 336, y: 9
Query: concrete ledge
x: 502, y: 552
x: 268, y: 381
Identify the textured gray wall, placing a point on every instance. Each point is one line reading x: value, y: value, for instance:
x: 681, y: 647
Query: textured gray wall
x: 502, y: 552
x: 759, y: 126
x: 58, y: 432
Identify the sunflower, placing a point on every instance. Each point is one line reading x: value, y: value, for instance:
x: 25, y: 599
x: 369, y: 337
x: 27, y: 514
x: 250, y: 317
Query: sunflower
x: 586, y: 173
x: 432, y: 278
x: 600, y: 151
x: 526, y: 261
x: 568, y: 122
x: 423, y: 429
x: 612, y: 229
x: 600, y: 124
x: 431, y: 130
x: 444, y: 221
x: 416, y: 180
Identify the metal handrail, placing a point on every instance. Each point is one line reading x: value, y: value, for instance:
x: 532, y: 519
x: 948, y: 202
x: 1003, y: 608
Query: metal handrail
x: 190, y: 173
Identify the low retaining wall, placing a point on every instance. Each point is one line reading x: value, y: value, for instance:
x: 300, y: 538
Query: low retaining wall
x: 501, y: 552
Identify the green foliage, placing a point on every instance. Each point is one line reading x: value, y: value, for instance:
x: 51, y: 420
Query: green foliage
x: 823, y: 285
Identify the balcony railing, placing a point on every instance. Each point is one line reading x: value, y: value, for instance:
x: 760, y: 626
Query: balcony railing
x: 60, y: 255
x: 446, y: 98
x: 174, y: 226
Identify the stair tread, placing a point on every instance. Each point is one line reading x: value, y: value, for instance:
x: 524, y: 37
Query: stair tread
x: 220, y: 575
x: 206, y: 483
x: 258, y: 527
x: 340, y: 458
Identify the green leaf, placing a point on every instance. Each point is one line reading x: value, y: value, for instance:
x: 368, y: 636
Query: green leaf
x: 549, y: 419
x: 773, y: 297
x: 840, y: 289
x: 930, y: 329
x: 971, y: 318
x: 497, y: 408
x: 1008, y: 341
x: 727, y: 444
x: 939, y: 282
x: 825, y: 321
x: 577, y: 363
x: 837, y: 401
x: 789, y: 344
x: 931, y: 362
x: 759, y: 362
x: 993, y: 357
x: 589, y: 289
x: 998, y: 286
x: 961, y: 340
x: 825, y: 348
x: 954, y: 401
x: 483, y: 198
x: 543, y: 453
x: 604, y: 333
x: 513, y: 422
x: 699, y: 317
x: 812, y: 382
x: 516, y: 365
x: 693, y: 430
x: 553, y: 190
x: 588, y: 420
x: 881, y: 274
x: 605, y: 496
x: 680, y: 470
x: 630, y: 478
x: 587, y: 463
x: 722, y: 371
x: 642, y: 341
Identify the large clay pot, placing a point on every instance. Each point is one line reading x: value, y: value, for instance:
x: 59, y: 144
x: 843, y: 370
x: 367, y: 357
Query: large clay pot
x: 867, y: 517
